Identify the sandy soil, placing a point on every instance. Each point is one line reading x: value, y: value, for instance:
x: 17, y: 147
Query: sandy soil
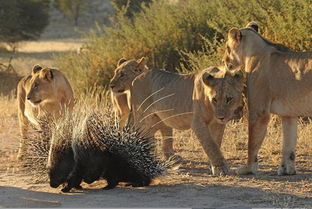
x: 189, y: 186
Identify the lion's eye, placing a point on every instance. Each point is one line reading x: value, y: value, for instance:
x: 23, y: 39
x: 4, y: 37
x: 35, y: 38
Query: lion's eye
x: 214, y: 100
x: 229, y: 99
x: 36, y: 85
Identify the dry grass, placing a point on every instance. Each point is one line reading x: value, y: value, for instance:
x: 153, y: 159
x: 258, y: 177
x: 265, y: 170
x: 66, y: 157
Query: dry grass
x: 234, y: 148
x: 8, y: 82
x: 8, y: 107
x: 8, y: 121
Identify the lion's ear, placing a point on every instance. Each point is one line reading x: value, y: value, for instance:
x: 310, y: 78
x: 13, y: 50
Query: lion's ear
x: 47, y: 74
x: 235, y: 35
x: 122, y: 60
x: 253, y: 25
x: 36, y: 69
x: 208, y: 79
x: 141, y: 64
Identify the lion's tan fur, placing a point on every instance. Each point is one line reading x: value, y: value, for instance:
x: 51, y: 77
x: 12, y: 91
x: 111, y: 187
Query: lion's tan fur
x: 162, y: 101
x: 121, y: 107
x: 120, y: 84
x: 279, y: 81
x: 43, y: 95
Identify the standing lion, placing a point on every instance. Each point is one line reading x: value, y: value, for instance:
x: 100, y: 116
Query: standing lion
x: 203, y: 101
x: 279, y: 81
x: 42, y: 96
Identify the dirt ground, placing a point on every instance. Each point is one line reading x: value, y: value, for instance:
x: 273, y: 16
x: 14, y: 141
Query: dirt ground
x: 189, y: 186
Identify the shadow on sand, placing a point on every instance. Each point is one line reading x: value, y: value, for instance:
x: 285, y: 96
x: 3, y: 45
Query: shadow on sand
x: 181, y: 195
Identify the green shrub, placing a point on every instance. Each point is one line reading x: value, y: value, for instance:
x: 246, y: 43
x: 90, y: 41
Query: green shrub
x: 185, y: 36
x: 129, y: 7
x: 284, y: 21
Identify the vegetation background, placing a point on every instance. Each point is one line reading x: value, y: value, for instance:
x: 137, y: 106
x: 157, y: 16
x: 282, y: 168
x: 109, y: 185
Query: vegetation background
x: 184, y: 36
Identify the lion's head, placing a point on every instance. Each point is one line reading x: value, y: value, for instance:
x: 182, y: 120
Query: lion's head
x: 224, y: 91
x: 233, y: 56
x: 41, y: 85
x: 235, y: 52
x: 125, y: 73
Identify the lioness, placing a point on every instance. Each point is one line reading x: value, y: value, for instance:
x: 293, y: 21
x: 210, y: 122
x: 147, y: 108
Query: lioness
x: 43, y: 95
x: 279, y: 81
x: 120, y: 100
x: 203, y: 101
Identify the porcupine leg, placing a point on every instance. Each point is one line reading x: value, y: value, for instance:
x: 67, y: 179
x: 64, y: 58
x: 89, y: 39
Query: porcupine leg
x: 78, y: 186
x: 112, y: 182
x: 74, y: 180
x: 142, y: 183
x: 73, y: 183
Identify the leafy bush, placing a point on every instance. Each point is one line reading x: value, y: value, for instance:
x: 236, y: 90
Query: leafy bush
x: 129, y: 7
x: 284, y: 21
x: 281, y: 21
x: 22, y: 19
x: 185, y: 36
x: 159, y: 32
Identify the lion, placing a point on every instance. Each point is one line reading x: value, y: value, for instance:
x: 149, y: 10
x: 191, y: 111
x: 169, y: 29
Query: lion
x: 279, y: 81
x: 120, y: 100
x: 42, y: 96
x: 203, y: 101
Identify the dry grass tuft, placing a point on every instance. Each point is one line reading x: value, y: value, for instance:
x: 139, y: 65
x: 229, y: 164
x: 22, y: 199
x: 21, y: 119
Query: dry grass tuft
x: 34, y: 163
x: 8, y: 107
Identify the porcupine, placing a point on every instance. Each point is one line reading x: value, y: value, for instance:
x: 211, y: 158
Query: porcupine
x: 61, y: 156
x: 98, y: 150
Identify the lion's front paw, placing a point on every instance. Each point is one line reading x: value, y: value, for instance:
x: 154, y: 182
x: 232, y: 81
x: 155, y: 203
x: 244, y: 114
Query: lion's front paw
x: 220, y: 170
x: 288, y: 169
x: 247, y: 170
